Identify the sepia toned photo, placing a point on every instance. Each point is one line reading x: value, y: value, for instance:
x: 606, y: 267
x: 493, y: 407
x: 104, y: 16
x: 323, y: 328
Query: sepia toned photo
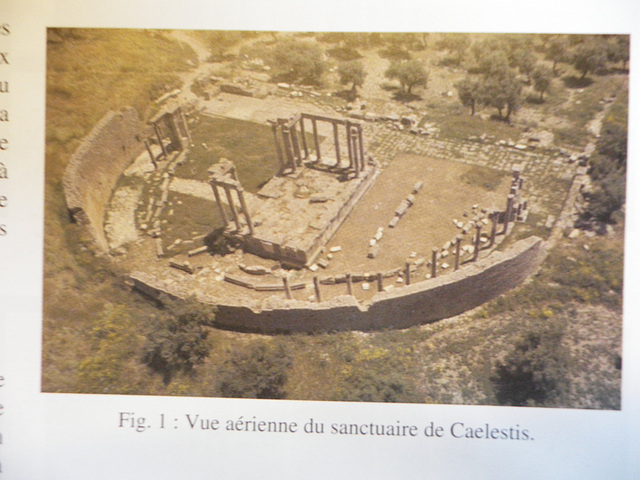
x: 428, y: 218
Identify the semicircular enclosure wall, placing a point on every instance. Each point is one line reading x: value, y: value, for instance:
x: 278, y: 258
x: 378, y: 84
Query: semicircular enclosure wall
x: 96, y: 166
x: 416, y: 304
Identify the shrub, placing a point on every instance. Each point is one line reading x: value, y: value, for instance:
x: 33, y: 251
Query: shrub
x: 366, y: 386
x: 258, y: 372
x: 178, y: 340
x: 301, y: 61
x: 532, y: 373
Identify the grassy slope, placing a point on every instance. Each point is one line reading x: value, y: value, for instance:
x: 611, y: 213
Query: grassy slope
x: 89, y: 72
x: 95, y: 348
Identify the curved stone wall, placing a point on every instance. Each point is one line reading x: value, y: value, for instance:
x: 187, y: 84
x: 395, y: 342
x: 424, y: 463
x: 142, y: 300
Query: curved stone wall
x: 416, y: 304
x: 95, y: 167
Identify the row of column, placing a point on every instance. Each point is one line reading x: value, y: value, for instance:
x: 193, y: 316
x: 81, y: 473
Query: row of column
x: 224, y: 175
x: 494, y: 216
x: 294, y: 149
x: 235, y: 216
x: 176, y: 127
x: 515, y: 206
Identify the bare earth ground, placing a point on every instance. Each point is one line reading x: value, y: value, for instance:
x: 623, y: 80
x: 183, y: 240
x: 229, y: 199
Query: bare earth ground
x: 427, y: 224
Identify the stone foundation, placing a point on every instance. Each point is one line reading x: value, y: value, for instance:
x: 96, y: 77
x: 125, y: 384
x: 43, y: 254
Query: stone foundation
x: 415, y: 304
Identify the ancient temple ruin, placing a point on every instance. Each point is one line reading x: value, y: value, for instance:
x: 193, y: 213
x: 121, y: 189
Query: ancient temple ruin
x: 171, y: 132
x: 298, y: 211
x: 292, y: 133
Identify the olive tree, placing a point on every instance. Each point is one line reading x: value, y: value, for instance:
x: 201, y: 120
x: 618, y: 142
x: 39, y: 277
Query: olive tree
x: 352, y: 73
x: 542, y: 77
x: 410, y: 74
x: 295, y: 60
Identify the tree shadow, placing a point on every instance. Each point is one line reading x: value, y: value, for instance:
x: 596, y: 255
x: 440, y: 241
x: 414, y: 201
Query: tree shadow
x: 572, y: 81
x: 618, y: 71
x: 535, y: 99
x: 347, y: 95
x: 405, y: 97
x: 497, y: 118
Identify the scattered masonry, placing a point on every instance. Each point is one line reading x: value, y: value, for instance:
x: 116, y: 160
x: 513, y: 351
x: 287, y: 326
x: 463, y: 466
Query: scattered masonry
x: 337, y: 177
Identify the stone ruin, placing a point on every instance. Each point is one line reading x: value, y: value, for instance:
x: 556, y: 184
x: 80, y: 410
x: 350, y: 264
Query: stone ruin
x: 312, y: 194
x: 290, y: 223
x: 171, y: 133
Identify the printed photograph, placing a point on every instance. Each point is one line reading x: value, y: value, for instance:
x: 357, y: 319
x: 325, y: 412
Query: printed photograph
x: 428, y: 218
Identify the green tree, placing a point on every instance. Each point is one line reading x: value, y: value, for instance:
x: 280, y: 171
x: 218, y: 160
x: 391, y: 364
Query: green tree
x: 607, y: 196
x: 178, y: 340
x: 590, y: 56
x: 410, y: 74
x: 501, y: 89
x: 618, y: 50
x: 352, y: 73
x: 487, y: 56
x: 608, y: 173
x: 469, y: 93
x: 557, y: 50
x: 525, y: 61
x: 542, y: 77
x: 260, y: 371
x: 613, y: 145
x: 456, y: 44
x: 220, y: 41
x: 533, y: 372
x: 298, y: 61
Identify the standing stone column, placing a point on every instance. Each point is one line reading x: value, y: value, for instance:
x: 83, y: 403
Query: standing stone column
x: 156, y: 128
x: 304, y: 139
x: 507, y: 213
x: 361, y: 146
x: 243, y: 204
x: 476, y: 249
x: 316, y: 141
x: 174, y: 131
x: 356, y: 156
x: 153, y: 159
x: 458, y: 242
x: 274, y: 128
x: 407, y: 273
x: 234, y: 212
x: 316, y: 285
x: 434, y: 262
x: 358, y: 160
x: 494, y: 228
x: 380, y: 285
x: 349, y: 143
x: 216, y: 194
x: 296, y: 146
x: 287, y: 288
x: 349, y: 284
x: 185, y: 127
x: 336, y: 142
x: 288, y: 149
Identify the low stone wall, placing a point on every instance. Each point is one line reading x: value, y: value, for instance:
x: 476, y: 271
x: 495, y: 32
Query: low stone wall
x: 370, y: 176
x: 95, y: 167
x: 415, y: 304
